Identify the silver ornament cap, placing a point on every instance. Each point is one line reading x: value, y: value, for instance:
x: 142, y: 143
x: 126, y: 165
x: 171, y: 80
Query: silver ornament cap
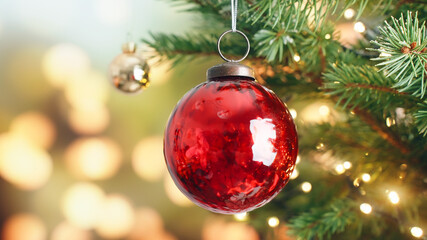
x: 230, y: 69
x: 129, y: 47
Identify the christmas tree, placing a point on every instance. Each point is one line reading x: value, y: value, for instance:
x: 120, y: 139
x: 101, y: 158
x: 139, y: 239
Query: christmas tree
x: 359, y: 69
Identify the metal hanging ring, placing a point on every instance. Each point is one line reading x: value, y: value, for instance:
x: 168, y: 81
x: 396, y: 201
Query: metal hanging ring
x: 219, y: 46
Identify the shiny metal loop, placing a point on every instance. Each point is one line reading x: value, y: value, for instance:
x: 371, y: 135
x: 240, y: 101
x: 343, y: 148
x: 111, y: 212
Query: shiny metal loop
x: 219, y: 46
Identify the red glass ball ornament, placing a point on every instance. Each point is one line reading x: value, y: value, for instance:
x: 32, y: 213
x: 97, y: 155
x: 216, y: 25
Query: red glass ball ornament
x: 230, y: 143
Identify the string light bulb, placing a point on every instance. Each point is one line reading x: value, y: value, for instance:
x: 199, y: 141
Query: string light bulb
x: 365, y: 208
x: 297, y: 58
x: 340, y: 169
x: 273, y: 222
x: 349, y: 13
x: 347, y: 165
x: 366, y: 177
x: 393, y: 197
x: 359, y: 27
x: 306, y: 187
x: 417, y: 232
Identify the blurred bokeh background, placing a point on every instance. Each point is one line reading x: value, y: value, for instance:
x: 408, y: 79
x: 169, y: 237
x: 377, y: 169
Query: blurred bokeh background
x: 78, y: 159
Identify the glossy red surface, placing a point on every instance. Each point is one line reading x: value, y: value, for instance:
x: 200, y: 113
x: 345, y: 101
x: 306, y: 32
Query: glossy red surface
x: 230, y: 145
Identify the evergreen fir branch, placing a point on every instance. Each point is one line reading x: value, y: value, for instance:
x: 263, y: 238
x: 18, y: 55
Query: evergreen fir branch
x: 421, y: 118
x: 180, y: 48
x: 274, y: 45
x: 322, y: 223
x: 404, y: 54
x: 288, y: 15
x: 363, y: 87
x: 317, y: 48
x: 343, y: 140
x: 220, y: 11
x: 382, y: 130
x: 294, y: 15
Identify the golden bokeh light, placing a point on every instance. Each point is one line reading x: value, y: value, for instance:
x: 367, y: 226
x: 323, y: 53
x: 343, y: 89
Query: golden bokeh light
x: 349, y: 13
x: 35, y: 127
x: 273, y: 222
x: 359, y: 27
x: 92, y: 120
x: 67, y: 231
x: 174, y: 194
x: 24, y: 226
x: 218, y: 228
x: 306, y: 187
x: 87, y: 90
x: 93, y: 158
x: 347, y: 165
x: 148, y: 225
x: 339, y: 169
x: 366, y: 208
x: 23, y: 164
x: 417, y: 232
x: 81, y: 204
x: 324, y: 110
x: 393, y: 197
x: 116, y: 218
x: 366, y: 177
x: 63, y: 62
x: 316, y: 113
x: 147, y: 158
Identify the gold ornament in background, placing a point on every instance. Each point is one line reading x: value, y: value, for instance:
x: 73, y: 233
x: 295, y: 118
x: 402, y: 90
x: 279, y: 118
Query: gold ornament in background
x: 129, y: 72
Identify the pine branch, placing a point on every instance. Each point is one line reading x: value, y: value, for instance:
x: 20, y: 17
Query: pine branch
x: 183, y: 48
x: 382, y: 130
x: 294, y: 15
x: 317, y: 48
x: 322, y: 223
x: 273, y: 45
x: 363, y: 87
x: 421, y: 118
x: 404, y: 54
x: 351, y: 142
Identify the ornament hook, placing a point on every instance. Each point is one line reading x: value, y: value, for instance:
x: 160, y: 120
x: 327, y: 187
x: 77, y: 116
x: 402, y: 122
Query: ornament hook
x: 219, y: 45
